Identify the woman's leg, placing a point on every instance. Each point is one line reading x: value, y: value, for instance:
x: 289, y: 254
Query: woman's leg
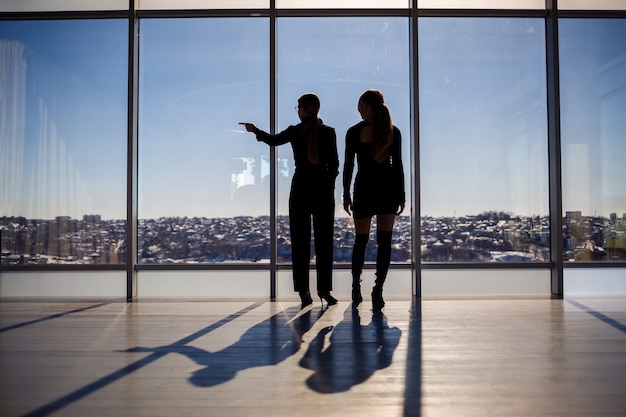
x: 300, y: 230
x: 383, y: 257
x: 385, y: 222
x: 362, y: 228
x: 323, y: 231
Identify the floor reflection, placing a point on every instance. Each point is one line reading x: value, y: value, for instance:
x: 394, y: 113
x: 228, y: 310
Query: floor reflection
x: 414, y: 363
x: 267, y: 343
x: 355, y: 352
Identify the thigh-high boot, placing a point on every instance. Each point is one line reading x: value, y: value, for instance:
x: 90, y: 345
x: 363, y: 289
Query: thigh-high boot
x: 383, y: 259
x: 358, y: 259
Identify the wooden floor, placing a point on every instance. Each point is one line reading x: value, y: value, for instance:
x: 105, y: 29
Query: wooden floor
x: 453, y: 358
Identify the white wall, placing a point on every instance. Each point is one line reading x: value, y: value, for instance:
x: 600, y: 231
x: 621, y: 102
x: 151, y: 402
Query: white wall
x: 63, y: 284
x: 594, y: 281
x: 485, y: 282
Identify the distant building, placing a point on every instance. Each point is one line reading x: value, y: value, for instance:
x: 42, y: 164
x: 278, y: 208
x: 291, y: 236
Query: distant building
x: 574, y: 215
x: 92, y: 218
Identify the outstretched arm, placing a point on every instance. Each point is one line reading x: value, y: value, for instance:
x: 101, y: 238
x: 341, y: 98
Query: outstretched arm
x: 272, y: 140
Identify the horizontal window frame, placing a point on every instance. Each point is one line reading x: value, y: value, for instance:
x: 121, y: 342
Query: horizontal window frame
x: 116, y: 14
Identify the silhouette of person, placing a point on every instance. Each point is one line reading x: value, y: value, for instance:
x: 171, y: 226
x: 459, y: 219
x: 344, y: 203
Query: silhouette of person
x: 267, y: 343
x: 378, y: 188
x: 354, y: 354
x: 312, y: 195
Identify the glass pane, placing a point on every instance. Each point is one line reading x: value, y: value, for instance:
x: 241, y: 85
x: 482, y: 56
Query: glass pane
x: 592, y: 5
x: 201, y: 4
x: 203, y: 180
x: 593, y: 104
x: 61, y: 5
x: 482, y: 4
x: 338, y: 59
x: 63, y: 141
x: 343, y: 4
x: 483, y: 140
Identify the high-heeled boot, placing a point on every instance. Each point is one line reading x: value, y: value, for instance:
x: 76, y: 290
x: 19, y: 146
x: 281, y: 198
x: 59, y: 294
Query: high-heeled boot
x: 377, y: 293
x: 325, y: 295
x: 358, y: 258
x: 377, y: 298
x: 305, y: 298
x: 383, y: 258
x: 357, y: 298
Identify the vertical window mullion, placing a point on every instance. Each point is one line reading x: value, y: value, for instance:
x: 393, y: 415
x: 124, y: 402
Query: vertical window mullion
x: 416, y: 254
x: 554, y: 151
x: 273, y: 115
x: 132, y: 166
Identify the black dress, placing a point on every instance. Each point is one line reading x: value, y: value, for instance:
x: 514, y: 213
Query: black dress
x: 378, y: 187
x: 312, y: 197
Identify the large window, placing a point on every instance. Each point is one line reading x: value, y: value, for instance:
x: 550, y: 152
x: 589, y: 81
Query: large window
x: 483, y: 140
x: 203, y: 180
x: 338, y: 59
x: 469, y: 84
x: 593, y: 103
x: 63, y: 135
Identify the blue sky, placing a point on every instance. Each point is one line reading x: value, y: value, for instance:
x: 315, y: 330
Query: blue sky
x: 482, y: 111
x: 73, y: 146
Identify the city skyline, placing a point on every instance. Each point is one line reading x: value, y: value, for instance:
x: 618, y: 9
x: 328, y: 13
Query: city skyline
x: 487, y: 237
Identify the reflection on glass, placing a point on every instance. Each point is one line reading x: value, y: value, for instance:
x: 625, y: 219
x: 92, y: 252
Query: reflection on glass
x: 63, y: 141
x: 61, y: 6
x: 202, y: 4
x: 481, y: 4
x: 338, y: 59
x: 203, y: 180
x: 483, y: 140
x: 592, y: 5
x: 343, y: 4
x: 593, y: 104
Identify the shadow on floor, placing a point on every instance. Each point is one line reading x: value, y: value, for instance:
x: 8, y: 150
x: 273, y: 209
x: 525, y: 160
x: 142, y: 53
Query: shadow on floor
x: 267, y: 343
x: 354, y: 354
x: 82, y: 392
x: 414, y: 365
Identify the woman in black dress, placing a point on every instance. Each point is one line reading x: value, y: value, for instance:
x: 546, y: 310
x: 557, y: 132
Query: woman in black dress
x: 378, y: 188
x: 312, y: 195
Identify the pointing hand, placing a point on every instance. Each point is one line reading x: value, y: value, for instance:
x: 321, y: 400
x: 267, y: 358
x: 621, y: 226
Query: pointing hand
x: 250, y: 127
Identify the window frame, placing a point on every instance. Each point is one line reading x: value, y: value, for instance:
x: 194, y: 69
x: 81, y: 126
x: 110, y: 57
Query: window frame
x: 551, y: 15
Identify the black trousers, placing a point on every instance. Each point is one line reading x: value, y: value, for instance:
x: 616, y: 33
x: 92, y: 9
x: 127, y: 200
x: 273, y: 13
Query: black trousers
x: 312, y: 205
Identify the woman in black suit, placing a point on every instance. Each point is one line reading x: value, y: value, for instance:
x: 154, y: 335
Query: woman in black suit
x: 312, y: 195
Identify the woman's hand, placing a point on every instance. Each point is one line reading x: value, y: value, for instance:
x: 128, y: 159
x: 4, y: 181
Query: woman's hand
x: 347, y: 206
x: 400, y: 208
x: 250, y: 127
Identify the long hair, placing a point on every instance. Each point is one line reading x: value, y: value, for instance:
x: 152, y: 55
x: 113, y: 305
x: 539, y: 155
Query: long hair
x: 311, y: 105
x: 383, y: 126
